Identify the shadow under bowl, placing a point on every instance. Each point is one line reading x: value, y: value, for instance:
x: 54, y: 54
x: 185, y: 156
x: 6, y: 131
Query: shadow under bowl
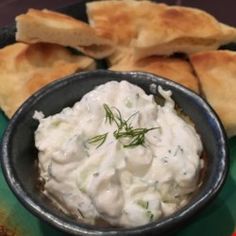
x: 19, y: 155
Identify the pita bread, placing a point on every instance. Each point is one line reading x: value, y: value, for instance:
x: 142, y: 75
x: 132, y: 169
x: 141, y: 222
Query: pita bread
x: 52, y: 27
x: 174, y: 69
x: 158, y: 29
x: 121, y: 23
x: 26, y: 68
x: 217, y: 73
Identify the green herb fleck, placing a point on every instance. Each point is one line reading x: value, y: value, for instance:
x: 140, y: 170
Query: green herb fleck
x: 50, y: 170
x: 128, y: 104
x: 98, y: 139
x: 96, y: 174
x: 80, y: 212
x: 56, y: 123
x: 143, y: 204
x: 150, y: 215
x: 179, y: 148
x: 82, y: 189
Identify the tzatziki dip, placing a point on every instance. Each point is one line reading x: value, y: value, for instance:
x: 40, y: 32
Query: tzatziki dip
x: 118, y: 156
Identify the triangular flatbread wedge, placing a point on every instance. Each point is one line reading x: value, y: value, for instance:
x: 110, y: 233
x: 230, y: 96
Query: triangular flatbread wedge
x: 53, y: 27
x: 117, y: 18
x: 158, y: 29
x: 217, y: 73
x: 176, y: 69
x: 26, y: 68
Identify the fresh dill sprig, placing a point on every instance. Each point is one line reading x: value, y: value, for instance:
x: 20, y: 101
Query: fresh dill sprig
x: 109, y: 114
x: 101, y: 138
x: 137, y: 135
x: 117, y: 117
x: 124, y: 129
x: 120, y: 122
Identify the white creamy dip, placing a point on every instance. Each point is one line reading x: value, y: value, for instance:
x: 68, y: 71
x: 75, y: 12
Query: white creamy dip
x: 89, y: 173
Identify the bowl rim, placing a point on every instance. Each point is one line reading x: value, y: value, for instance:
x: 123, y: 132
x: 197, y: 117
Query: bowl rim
x: 182, y: 215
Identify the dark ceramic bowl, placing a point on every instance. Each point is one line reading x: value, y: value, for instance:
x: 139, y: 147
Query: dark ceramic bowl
x: 19, y: 154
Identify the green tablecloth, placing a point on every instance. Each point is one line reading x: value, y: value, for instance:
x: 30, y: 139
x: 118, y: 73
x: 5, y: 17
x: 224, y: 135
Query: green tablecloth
x: 218, y: 219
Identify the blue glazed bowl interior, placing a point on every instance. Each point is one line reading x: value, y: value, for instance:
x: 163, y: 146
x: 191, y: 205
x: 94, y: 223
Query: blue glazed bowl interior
x: 19, y: 156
